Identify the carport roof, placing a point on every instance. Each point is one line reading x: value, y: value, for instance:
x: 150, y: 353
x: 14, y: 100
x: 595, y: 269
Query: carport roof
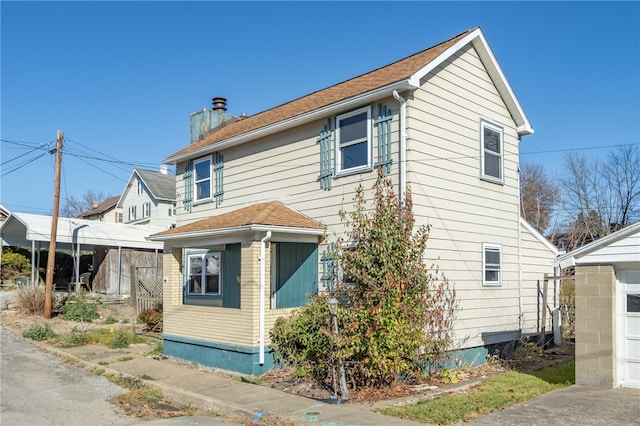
x: 21, y: 229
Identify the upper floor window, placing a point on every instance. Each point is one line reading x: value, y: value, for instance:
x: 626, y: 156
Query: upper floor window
x: 132, y: 213
x: 492, y: 152
x: 139, y: 188
x: 353, y: 141
x: 202, y: 179
x: 119, y: 217
x: 491, y: 264
x: 146, y: 210
x: 204, y: 273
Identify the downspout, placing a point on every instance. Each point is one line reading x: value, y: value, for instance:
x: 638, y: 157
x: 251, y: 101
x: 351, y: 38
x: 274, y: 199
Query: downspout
x: 403, y: 146
x: 263, y: 262
x: 520, y: 319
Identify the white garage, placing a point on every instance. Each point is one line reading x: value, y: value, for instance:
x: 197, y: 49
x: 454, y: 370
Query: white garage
x: 607, y: 279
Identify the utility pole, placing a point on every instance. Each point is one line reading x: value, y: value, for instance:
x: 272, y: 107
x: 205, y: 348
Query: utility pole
x: 51, y: 258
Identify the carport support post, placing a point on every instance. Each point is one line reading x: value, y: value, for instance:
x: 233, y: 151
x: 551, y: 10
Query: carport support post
x: 51, y: 258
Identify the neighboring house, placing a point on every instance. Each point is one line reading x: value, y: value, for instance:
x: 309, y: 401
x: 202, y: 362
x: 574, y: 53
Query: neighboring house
x: 607, y: 333
x: 149, y: 199
x: 4, y: 213
x: 106, y: 211
x: 260, y: 195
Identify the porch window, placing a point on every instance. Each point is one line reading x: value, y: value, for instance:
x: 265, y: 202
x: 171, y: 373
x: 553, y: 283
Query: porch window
x: 204, y: 273
x: 492, y: 265
x: 353, y: 141
x: 492, y: 152
x: 212, y: 277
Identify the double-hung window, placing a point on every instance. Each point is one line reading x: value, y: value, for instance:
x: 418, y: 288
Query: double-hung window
x: 204, y: 273
x: 202, y: 179
x: 139, y: 187
x: 491, y: 264
x: 492, y: 152
x: 132, y: 213
x: 353, y: 141
x: 146, y: 209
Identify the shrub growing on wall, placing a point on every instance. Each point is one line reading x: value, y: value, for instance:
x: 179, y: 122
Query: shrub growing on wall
x: 396, y: 316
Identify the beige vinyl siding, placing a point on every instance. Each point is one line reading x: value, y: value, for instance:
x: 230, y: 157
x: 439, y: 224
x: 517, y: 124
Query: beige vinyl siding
x: 537, y: 259
x: 285, y: 167
x: 464, y: 211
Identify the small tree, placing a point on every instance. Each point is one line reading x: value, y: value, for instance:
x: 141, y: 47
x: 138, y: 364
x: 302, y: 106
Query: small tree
x: 397, y: 316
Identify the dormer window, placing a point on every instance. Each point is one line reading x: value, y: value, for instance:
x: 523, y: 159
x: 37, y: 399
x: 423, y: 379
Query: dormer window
x: 353, y: 141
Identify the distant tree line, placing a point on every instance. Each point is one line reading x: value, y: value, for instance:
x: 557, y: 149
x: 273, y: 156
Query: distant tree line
x: 590, y: 199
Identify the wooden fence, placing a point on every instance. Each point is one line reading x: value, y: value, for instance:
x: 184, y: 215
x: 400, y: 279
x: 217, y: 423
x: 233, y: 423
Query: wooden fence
x: 146, y: 288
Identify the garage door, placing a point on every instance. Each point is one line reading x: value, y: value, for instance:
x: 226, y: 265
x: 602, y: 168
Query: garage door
x: 629, y: 331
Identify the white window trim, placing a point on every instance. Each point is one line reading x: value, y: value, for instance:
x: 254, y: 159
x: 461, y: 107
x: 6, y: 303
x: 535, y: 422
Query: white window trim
x: 338, y: 152
x: 492, y: 247
x: 132, y: 213
x: 203, y: 274
x: 139, y: 188
x: 499, y: 129
x: 146, y: 210
x: 197, y: 200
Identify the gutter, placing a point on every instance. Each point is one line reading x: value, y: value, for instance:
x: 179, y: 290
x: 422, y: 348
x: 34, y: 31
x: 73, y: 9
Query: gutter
x: 292, y: 122
x: 402, y: 153
x: 263, y: 262
x: 235, y: 230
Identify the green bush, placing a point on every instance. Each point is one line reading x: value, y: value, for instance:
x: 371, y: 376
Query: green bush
x: 120, y: 340
x: 79, y: 309
x: 303, y: 340
x: 39, y: 332
x: 14, y: 265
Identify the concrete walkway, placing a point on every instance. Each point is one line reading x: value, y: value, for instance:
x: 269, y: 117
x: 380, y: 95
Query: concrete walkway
x: 221, y: 392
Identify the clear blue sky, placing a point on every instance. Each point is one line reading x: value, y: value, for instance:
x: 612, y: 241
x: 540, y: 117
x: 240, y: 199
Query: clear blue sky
x: 121, y: 78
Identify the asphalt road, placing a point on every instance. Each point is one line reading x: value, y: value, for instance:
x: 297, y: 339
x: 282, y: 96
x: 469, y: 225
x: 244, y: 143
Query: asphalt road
x: 38, y: 389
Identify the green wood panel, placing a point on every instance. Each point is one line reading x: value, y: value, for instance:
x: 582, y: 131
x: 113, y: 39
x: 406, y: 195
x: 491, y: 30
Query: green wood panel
x: 296, y: 273
x: 231, y: 276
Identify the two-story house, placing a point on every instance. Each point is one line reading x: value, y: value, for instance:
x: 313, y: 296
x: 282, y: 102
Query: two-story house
x: 260, y: 195
x: 149, y: 198
x: 106, y: 211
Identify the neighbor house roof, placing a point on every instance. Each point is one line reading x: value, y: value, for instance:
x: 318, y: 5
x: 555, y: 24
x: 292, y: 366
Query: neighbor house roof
x: 161, y: 186
x: 263, y: 216
x: 106, y: 205
x: 404, y: 74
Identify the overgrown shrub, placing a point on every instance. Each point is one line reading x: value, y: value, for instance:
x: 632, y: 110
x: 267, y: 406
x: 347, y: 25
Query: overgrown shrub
x: 30, y: 300
x: 79, y: 309
x: 396, y: 316
x: 152, y: 317
x: 14, y: 265
x: 39, y: 332
x: 303, y: 341
x: 119, y: 340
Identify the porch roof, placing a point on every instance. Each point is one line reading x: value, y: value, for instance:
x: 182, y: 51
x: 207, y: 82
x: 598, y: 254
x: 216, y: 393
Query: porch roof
x: 270, y: 216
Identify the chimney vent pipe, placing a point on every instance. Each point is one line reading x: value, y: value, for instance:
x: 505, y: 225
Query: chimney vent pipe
x: 219, y: 104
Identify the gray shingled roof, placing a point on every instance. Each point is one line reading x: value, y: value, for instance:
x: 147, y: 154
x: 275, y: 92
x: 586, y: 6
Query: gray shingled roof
x: 162, y: 186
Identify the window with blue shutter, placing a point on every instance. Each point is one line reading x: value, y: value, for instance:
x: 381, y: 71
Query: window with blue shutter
x: 218, y: 166
x: 326, y: 171
x: 383, y: 123
x: 212, y: 277
x: 188, y: 187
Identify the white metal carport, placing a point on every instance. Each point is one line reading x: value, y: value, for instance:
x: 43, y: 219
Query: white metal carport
x: 34, y: 231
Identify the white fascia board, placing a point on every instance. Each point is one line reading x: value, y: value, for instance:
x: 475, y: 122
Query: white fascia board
x: 539, y: 236
x: 235, y: 230
x: 295, y: 121
x: 493, y: 68
x: 126, y: 187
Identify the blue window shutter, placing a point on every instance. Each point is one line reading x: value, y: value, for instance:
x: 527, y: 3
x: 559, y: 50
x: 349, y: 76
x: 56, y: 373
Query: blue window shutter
x: 383, y: 123
x: 188, y: 186
x: 328, y: 267
x: 296, y: 273
x: 231, y: 276
x: 326, y: 172
x: 218, y: 166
